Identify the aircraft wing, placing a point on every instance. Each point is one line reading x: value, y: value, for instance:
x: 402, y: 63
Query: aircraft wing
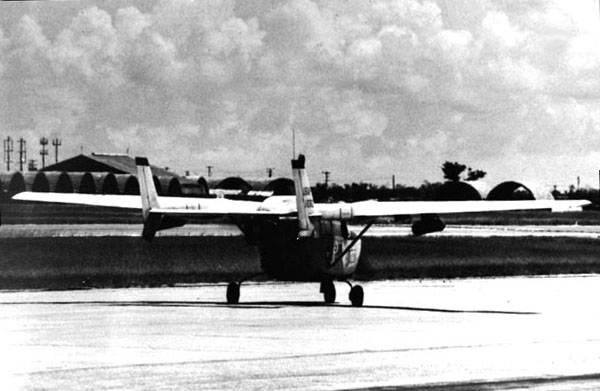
x: 180, y: 206
x: 406, y: 208
x: 283, y: 206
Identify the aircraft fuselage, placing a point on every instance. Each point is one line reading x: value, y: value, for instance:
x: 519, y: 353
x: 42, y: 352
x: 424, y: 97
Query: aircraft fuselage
x: 286, y: 256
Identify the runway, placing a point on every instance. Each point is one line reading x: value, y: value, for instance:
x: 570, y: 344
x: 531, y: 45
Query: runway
x: 134, y: 230
x: 471, y: 334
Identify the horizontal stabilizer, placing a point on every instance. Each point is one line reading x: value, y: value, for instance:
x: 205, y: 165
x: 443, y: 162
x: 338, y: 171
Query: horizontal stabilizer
x: 158, y: 222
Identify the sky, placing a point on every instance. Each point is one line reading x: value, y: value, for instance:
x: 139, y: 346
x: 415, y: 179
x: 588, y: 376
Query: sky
x: 371, y: 89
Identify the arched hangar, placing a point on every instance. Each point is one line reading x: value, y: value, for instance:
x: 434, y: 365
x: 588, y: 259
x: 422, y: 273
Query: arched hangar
x: 512, y: 190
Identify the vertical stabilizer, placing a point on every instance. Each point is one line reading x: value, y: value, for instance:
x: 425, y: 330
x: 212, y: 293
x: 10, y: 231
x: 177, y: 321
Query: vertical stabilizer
x: 153, y: 222
x: 147, y: 188
x: 304, y: 198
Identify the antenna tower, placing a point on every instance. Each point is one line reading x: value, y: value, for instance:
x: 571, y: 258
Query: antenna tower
x: 43, y: 151
x: 326, y: 174
x: 22, y: 153
x: 8, y: 148
x: 56, y: 142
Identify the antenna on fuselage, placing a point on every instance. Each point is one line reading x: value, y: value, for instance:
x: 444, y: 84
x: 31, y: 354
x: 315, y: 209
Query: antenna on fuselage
x: 293, y: 143
x: 291, y: 121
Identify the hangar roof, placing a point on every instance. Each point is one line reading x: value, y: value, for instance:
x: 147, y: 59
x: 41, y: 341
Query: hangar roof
x: 99, y: 162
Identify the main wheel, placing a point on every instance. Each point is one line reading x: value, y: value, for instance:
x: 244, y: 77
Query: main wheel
x: 357, y: 296
x: 328, y: 290
x: 233, y: 293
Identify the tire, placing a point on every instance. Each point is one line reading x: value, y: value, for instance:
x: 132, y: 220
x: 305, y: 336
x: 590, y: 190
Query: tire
x: 328, y: 290
x: 357, y: 296
x: 233, y: 293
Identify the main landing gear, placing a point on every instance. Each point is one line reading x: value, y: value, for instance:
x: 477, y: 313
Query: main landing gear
x: 357, y: 294
x: 233, y: 289
x: 233, y: 293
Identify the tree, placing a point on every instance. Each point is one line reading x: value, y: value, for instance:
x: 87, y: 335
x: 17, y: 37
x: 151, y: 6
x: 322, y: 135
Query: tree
x: 473, y: 175
x: 452, y: 171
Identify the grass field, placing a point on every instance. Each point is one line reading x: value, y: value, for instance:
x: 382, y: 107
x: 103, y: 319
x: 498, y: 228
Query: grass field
x: 75, y: 262
x: 70, y: 263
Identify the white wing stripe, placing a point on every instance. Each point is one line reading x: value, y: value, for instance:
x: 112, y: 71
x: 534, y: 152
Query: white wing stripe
x: 282, y: 206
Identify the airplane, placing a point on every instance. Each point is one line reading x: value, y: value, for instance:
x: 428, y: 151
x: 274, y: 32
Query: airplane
x: 298, y: 239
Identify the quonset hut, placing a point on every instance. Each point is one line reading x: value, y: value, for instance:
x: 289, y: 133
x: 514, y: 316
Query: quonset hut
x: 111, y: 174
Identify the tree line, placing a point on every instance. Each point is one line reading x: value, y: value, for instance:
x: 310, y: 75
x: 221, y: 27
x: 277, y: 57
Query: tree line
x: 452, y: 172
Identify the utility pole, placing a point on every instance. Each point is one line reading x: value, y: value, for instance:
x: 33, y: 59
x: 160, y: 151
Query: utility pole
x: 8, y: 148
x: 326, y: 174
x: 56, y: 142
x: 270, y: 171
x: 209, y: 168
x: 22, y: 153
x: 393, y: 182
x: 32, y: 166
x: 43, y: 151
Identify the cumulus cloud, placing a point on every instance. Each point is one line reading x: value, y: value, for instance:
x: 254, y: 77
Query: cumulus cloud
x: 371, y: 88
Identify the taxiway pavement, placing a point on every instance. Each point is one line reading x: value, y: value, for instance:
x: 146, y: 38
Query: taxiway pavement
x: 503, y: 333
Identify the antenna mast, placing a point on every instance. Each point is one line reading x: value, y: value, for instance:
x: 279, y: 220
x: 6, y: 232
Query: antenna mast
x: 56, y: 142
x: 43, y: 151
x: 22, y: 153
x: 8, y: 148
x: 293, y: 143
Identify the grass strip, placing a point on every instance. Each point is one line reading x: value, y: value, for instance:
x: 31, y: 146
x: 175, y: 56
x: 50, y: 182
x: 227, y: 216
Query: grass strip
x: 72, y: 263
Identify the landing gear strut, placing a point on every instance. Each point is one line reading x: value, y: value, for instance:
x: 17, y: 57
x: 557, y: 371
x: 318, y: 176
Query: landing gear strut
x: 328, y: 291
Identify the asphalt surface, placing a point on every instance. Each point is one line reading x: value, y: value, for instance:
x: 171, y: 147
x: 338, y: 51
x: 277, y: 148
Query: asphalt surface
x: 519, y: 333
